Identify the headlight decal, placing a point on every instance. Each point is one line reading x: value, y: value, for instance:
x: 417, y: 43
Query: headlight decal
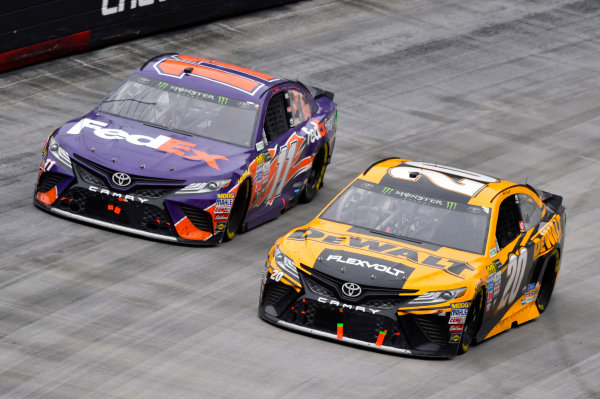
x: 286, y: 268
x: 436, y: 297
x: 204, y: 187
x: 59, y: 153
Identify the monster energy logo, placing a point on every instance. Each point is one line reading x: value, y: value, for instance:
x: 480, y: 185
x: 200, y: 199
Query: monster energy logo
x: 162, y: 85
x: 451, y: 205
x: 223, y: 100
x: 387, y: 190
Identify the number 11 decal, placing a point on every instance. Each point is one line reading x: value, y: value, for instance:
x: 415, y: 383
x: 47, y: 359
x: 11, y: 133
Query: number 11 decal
x: 284, y: 164
x: 514, y: 273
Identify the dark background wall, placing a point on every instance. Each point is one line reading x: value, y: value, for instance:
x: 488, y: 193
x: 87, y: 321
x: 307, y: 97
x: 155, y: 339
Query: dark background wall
x: 36, y: 30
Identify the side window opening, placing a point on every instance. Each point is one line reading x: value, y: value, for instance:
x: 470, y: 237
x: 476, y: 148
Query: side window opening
x: 509, y: 217
x: 276, y: 122
x: 299, y: 108
x: 532, y: 213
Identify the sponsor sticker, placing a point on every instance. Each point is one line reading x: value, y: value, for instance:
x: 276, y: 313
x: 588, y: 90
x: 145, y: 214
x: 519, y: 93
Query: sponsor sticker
x: 522, y: 226
x: 224, y: 202
x: 220, y: 227
x: 455, y: 337
x: 493, y: 252
x: 222, y: 209
x: 457, y: 320
x: 459, y: 312
x: 460, y: 305
x: 456, y: 327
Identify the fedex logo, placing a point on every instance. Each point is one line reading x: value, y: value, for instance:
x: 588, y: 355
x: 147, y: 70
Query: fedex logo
x: 163, y: 143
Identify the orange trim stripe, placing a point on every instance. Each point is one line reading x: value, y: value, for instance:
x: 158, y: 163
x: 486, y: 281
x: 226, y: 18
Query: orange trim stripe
x: 187, y: 230
x: 49, y: 197
x: 175, y: 68
x: 230, y: 66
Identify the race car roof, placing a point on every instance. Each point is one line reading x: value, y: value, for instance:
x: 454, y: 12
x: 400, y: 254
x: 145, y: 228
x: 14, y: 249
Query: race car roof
x: 444, y: 182
x: 209, y: 75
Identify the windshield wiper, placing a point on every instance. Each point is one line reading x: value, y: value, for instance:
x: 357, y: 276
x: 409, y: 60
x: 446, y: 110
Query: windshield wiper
x: 168, y: 129
x: 128, y: 99
x: 383, y: 233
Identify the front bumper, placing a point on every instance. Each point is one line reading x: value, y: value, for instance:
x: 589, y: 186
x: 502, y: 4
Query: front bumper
x: 423, y: 334
x: 148, y: 210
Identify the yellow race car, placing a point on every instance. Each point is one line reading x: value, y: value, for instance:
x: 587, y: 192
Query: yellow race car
x: 419, y: 259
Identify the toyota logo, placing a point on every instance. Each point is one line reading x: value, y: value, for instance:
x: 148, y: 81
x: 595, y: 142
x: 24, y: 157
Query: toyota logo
x: 121, y: 179
x: 351, y: 290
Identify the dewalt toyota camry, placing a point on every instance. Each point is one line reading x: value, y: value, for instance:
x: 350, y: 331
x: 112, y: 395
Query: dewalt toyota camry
x: 190, y: 150
x: 418, y: 259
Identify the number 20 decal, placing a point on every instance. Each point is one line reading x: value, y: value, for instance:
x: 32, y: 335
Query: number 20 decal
x: 277, y: 275
x: 469, y: 185
x: 515, y: 273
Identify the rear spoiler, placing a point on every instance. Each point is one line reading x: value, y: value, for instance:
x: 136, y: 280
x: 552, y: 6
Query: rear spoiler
x: 553, y: 201
x: 317, y: 92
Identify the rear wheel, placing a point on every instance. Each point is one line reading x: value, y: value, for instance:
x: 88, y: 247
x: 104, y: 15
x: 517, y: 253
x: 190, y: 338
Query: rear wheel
x: 547, y: 283
x: 237, y: 213
x: 315, y: 180
x: 472, y: 323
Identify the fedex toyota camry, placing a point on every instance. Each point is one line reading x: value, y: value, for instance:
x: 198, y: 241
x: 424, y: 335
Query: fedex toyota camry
x: 418, y: 259
x: 190, y: 150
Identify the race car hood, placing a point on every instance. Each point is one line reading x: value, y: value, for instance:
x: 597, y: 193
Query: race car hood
x: 374, y: 260
x: 135, y: 148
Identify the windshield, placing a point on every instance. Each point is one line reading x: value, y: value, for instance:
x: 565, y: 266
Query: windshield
x: 411, y: 216
x: 183, y: 110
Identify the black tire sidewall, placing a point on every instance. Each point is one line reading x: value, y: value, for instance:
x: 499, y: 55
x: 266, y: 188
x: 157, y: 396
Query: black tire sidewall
x: 237, y: 211
x: 318, y: 168
x: 472, y: 323
x: 547, y: 283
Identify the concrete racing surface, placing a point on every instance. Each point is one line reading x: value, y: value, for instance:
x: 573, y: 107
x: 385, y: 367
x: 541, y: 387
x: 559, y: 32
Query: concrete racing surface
x: 504, y: 87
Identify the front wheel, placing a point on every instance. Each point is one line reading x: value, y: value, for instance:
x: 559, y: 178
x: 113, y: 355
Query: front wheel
x: 315, y: 180
x: 237, y: 213
x: 472, y: 323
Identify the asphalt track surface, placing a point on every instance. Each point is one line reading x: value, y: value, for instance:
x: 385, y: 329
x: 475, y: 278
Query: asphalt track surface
x: 507, y: 88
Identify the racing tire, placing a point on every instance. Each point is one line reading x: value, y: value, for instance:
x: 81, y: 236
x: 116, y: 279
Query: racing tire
x: 547, y: 282
x: 238, y: 212
x: 472, y: 323
x: 317, y: 172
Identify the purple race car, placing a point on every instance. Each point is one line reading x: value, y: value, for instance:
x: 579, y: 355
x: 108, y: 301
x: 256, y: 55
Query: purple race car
x: 190, y: 150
